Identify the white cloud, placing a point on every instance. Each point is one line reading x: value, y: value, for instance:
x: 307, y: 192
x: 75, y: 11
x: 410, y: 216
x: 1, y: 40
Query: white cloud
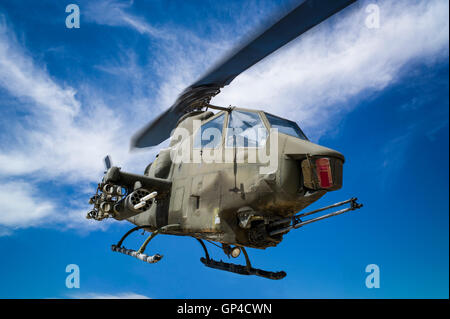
x: 124, y: 295
x: 21, y: 206
x: 114, y: 13
x: 24, y: 204
x: 21, y: 78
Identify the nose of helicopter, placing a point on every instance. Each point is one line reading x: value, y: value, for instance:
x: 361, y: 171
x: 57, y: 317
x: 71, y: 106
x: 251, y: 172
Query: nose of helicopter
x: 298, y: 148
x: 321, y: 167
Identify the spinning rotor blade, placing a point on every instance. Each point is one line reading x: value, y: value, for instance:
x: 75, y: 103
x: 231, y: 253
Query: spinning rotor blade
x: 157, y: 130
x: 307, y: 15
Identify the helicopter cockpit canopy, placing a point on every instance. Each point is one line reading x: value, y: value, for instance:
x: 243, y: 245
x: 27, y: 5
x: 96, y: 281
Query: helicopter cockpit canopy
x: 242, y: 128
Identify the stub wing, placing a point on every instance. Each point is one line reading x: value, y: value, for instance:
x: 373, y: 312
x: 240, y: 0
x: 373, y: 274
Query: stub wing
x: 115, y: 176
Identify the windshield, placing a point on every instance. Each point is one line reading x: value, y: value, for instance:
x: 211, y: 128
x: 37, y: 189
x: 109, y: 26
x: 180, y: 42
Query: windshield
x: 245, y: 129
x: 210, y: 134
x: 285, y: 126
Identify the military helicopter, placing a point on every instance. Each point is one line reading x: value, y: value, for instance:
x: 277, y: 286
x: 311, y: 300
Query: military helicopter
x: 222, y: 188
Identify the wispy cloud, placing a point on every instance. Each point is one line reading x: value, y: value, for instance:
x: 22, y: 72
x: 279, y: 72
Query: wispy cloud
x: 21, y: 78
x: 21, y: 205
x: 114, y: 13
x: 95, y: 295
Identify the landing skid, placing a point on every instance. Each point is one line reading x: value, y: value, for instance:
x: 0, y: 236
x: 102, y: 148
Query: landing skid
x: 239, y: 269
x: 139, y: 254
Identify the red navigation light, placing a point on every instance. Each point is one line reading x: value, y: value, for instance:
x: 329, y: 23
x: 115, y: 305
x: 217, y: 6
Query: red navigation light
x: 324, y: 172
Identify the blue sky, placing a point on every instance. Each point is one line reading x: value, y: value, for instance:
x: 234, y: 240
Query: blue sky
x: 69, y: 96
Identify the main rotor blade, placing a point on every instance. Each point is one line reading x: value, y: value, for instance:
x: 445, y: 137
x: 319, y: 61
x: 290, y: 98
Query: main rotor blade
x: 157, y: 131
x: 307, y: 15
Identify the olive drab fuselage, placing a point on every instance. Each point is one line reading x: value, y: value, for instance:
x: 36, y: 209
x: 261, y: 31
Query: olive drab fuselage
x: 231, y: 201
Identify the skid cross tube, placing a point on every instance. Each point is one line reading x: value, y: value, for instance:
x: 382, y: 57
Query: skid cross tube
x: 297, y: 222
x: 140, y: 253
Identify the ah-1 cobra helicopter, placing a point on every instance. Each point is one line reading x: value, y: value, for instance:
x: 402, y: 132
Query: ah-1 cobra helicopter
x: 234, y: 202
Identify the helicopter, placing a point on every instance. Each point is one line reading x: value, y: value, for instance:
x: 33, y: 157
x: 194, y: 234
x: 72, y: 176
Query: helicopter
x: 235, y: 177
